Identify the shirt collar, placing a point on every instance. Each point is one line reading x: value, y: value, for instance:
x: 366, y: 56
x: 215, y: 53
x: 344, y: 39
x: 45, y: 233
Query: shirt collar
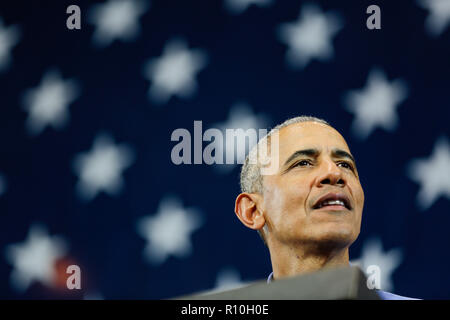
x: 270, y: 278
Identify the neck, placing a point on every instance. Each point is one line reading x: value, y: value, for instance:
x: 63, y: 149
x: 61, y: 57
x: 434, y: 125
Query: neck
x: 298, y: 259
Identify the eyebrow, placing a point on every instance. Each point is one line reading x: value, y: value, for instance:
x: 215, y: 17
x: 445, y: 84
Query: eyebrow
x: 305, y: 152
x: 339, y: 153
x: 336, y: 153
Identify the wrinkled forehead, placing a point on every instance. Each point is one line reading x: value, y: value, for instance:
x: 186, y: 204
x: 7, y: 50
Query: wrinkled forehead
x: 309, y: 135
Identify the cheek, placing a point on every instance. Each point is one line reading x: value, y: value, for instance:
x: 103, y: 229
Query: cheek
x: 359, y: 196
x: 356, y: 191
x: 285, y: 200
x: 274, y: 200
x: 296, y: 192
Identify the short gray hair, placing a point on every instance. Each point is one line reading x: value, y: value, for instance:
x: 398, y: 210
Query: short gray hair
x: 251, y: 178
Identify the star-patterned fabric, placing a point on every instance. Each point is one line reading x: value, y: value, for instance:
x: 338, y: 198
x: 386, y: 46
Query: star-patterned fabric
x: 88, y: 115
x: 174, y: 72
x: 48, y: 104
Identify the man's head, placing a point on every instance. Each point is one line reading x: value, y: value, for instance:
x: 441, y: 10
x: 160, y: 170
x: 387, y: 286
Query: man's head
x: 314, y: 197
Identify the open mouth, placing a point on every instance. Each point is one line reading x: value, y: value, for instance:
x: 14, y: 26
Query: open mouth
x: 336, y: 201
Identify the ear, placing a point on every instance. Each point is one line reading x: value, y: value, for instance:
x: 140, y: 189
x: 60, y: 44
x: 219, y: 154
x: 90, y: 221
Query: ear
x: 247, y: 211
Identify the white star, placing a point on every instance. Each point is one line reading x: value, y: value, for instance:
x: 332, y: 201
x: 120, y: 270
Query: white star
x: 439, y: 16
x: 168, y: 232
x: 433, y: 174
x: 387, y: 262
x: 116, y: 19
x: 9, y: 37
x: 375, y: 105
x: 239, y: 6
x: 310, y: 37
x: 48, y: 104
x: 227, y: 279
x: 101, y: 168
x: 174, y: 72
x: 242, y: 117
x: 3, y: 184
x: 34, y: 260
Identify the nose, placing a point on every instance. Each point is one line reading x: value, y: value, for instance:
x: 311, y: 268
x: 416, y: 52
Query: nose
x: 330, y: 174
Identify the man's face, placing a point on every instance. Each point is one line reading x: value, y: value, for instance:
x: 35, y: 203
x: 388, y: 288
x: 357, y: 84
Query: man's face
x: 316, y: 195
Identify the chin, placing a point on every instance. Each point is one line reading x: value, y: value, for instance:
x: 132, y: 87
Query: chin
x: 339, y: 236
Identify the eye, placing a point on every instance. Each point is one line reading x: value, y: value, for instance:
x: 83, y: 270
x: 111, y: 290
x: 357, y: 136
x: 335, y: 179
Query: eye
x: 302, y: 163
x: 346, y: 165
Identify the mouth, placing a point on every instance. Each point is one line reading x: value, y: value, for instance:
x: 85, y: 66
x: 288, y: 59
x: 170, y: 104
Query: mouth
x: 333, y: 201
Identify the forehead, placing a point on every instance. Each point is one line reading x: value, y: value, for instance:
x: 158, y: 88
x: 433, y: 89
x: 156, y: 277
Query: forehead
x: 309, y: 135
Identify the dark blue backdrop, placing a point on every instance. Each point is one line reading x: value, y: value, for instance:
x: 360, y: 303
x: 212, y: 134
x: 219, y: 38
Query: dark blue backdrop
x: 241, y: 61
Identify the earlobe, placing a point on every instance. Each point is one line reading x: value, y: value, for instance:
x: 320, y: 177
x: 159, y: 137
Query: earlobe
x: 246, y: 209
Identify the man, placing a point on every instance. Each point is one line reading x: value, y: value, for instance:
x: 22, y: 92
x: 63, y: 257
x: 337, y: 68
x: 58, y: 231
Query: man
x: 308, y: 210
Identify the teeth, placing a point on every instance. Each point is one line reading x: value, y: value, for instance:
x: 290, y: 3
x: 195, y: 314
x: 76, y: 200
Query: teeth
x: 332, y: 202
